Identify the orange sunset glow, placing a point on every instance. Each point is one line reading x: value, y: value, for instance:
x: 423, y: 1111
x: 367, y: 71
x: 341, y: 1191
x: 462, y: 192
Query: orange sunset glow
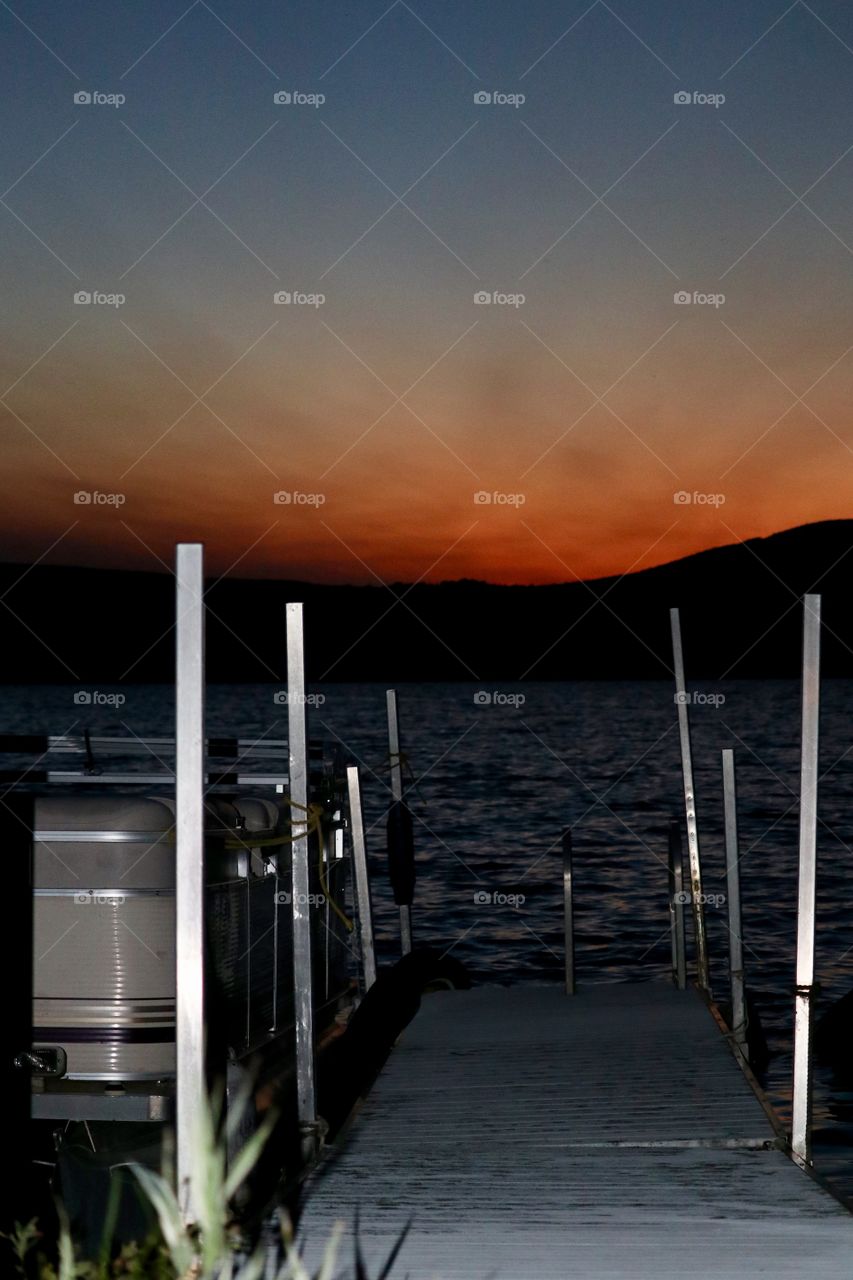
x: 601, y: 330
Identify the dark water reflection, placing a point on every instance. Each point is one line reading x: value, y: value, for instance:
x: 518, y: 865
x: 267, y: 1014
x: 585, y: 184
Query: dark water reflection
x: 496, y: 784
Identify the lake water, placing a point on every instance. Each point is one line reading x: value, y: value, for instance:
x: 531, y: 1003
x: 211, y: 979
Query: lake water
x: 499, y: 778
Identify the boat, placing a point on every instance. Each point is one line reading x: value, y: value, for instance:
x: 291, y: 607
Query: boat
x: 104, y: 973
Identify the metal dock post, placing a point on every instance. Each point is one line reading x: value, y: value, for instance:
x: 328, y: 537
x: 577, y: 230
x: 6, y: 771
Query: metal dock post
x: 801, y: 1120
x: 696, y: 895
x: 189, y: 868
x: 362, y: 878
x: 568, y: 914
x: 297, y: 736
x: 17, y: 822
x: 738, y: 1016
x: 397, y: 799
x: 676, y: 906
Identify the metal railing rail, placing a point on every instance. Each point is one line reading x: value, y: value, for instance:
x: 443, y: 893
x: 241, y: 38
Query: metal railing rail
x: 118, y: 745
x: 212, y: 781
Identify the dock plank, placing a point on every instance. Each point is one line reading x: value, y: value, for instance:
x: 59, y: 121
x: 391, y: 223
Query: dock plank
x: 530, y: 1134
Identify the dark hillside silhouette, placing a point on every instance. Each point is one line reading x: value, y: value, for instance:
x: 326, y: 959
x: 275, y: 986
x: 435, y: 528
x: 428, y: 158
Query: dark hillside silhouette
x: 739, y: 607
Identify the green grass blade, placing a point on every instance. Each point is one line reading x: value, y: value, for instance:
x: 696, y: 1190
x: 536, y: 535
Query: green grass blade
x: 163, y: 1201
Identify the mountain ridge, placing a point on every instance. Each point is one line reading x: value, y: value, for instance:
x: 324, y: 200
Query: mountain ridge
x: 84, y: 625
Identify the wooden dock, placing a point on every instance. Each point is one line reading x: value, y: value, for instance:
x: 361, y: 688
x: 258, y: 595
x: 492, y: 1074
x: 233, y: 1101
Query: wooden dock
x: 531, y: 1135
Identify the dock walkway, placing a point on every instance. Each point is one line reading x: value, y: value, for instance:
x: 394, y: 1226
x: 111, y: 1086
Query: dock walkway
x: 612, y: 1134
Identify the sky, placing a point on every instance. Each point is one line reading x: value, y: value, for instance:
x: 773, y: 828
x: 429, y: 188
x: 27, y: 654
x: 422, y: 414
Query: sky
x: 515, y: 291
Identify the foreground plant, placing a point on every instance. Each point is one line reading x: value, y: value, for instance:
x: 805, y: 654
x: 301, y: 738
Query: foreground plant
x: 154, y: 1259
x: 214, y: 1246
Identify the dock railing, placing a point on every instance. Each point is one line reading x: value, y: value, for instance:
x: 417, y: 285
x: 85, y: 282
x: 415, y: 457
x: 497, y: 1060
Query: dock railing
x: 805, y: 983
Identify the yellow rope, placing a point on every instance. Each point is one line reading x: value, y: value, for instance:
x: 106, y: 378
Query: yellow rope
x: 315, y: 814
x: 400, y: 757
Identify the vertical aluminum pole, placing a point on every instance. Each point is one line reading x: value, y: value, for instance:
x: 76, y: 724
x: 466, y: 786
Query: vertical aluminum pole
x: 189, y: 869
x: 738, y: 1024
x: 17, y: 821
x: 326, y: 855
x: 803, y: 1008
x: 297, y: 737
x: 568, y: 914
x: 397, y: 794
x: 677, y: 898
x: 696, y: 896
x: 362, y: 878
